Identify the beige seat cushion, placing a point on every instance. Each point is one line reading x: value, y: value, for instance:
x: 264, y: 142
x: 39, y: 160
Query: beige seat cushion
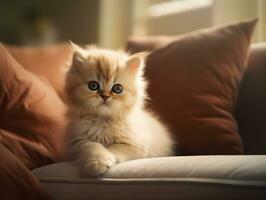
x: 190, y: 177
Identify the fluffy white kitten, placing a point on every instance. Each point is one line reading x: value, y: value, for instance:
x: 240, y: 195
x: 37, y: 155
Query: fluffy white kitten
x: 108, y: 123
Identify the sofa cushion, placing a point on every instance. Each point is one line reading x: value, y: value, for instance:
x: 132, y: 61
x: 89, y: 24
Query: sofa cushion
x: 17, y: 181
x: 194, y: 82
x: 30, y: 109
x: 51, y: 62
x: 251, y: 105
x: 27, y: 151
x: 189, y: 177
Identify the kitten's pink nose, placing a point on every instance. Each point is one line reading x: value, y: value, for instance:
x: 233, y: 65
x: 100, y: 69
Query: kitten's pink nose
x: 104, y: 96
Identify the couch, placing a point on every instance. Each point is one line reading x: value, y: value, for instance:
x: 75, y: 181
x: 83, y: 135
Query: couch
x: 220, y: 156
x: 184, y: 177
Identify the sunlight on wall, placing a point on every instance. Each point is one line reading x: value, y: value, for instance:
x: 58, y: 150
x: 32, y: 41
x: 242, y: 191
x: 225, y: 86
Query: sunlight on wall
x: 227, y: 11
x: 115, y: 22
x: 120, y: 19
x: 172, y: 7
x: 175, y: 17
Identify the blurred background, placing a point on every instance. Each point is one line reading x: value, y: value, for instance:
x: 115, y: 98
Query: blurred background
x: 109, y: 23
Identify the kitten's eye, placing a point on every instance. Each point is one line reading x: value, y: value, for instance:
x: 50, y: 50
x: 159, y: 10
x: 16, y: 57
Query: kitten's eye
x: 117, y: 88
x: 93, y: 85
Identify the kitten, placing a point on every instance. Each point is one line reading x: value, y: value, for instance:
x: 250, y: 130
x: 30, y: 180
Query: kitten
x: 108, y: 123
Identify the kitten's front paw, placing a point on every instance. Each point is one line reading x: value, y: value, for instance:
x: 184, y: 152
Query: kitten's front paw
x: 99, y: 165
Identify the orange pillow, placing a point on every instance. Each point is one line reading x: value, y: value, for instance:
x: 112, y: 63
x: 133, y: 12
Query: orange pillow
x: 194, y: 83
x: 30, y: 109
x: 50, y: 61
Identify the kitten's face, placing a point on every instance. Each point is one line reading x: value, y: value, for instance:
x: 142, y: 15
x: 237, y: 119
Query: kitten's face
x: 103, y: 82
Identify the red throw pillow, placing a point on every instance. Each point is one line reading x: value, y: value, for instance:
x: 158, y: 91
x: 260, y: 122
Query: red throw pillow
x: 30, y: 109
x: 194, y: 83
x: 50, y: 61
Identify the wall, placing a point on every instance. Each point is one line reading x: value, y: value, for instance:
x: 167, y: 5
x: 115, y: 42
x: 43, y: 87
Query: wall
x: 234, y: 10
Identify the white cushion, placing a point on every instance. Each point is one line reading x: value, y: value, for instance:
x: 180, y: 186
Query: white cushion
x: 187, y: 177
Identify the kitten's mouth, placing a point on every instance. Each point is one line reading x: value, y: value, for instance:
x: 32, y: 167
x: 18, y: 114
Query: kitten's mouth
x: 105, y: 103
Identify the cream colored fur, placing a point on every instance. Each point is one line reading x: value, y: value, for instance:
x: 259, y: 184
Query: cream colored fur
x: 102, y: 133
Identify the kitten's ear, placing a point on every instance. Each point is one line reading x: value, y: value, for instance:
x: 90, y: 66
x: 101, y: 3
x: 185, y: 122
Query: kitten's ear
x: 78, y: 55
x: 136, y: 61
x: 78, y: 59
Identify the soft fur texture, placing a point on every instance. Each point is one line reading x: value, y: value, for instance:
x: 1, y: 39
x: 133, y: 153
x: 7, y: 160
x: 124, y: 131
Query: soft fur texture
x: 103, y: 132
